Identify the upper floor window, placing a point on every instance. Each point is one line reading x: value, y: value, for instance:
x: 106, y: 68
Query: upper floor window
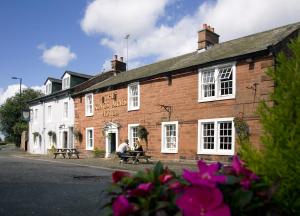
x: 35, y: 114
x: 49, y: 88
x: 89, y: 138
x: 49, y: 113
x: 133, y: 96
x: 66, y: 83
x: 132, y: 134
x: 89, y: 105
x: 217, y: 83
x: 169, y: 137
x: 66, y: 110
x: 216, y: 136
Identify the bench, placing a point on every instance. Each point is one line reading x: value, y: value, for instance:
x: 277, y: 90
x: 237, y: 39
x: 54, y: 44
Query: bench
x: 136, y: 156
x: 66, y: 152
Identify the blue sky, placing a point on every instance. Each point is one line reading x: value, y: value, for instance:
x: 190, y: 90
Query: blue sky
x: 41, y: 38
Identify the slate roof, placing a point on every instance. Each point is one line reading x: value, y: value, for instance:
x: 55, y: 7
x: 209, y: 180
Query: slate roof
x: 226, y: 50
x: 77, y: 74
x: 53, y: 80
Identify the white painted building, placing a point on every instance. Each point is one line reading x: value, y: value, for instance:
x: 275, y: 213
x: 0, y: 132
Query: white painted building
x: 52, y: 116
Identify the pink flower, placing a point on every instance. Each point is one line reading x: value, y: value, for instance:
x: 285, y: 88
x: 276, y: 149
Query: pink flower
x: 119, y: 175
x: 176, y: 186
x: 121, y: 206
x: 247, y: 175
x: 202, y: 201
x: 142, y: 190
x: 207, y: 175
x: 164, y: 178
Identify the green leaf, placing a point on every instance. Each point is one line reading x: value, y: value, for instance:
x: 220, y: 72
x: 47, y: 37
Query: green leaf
x: 243, y: 197
x: 158, y: 169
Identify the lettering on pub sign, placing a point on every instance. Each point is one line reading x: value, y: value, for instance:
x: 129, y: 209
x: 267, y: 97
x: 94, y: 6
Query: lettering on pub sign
x: 108, y: 104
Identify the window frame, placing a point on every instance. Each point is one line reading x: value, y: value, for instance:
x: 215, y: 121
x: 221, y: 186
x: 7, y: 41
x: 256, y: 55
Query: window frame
x: 65, y: 112
x: 87, y: 147
x: 163, y: 137
x: 129, y: 96
x: 64, y: 82
x: 131, y: 144
x: 49, y: 112
x: 217, y: 83
x: 216, y: 150
x: 87, y: 111
x: 48, y: 88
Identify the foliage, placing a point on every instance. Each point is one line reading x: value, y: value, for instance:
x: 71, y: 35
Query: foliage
x: 213, y: 190
x: 78, y: 135
x: 242, y: 129
x: 98, y: 153
x: 12, y: 123
x: 52, y: 150
x: 142, y: 133
x: 281, y: 123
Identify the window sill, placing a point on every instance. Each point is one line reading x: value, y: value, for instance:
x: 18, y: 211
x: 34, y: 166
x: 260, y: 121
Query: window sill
x: 89, y: 115
x: 133, y: 109
x: 169, y: 151
x: 229, y: 153
x: 216, y: 99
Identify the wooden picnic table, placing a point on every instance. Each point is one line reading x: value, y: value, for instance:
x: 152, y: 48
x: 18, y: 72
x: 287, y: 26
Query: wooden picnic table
x: 66, y: 152
x: 135, y: 156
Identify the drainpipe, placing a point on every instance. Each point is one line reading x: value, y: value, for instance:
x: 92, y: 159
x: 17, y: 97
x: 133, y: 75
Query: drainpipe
x: 44, y: 127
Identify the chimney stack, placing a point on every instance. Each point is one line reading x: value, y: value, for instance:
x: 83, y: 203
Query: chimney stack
x: 118, y: 65
x: 207, y: 37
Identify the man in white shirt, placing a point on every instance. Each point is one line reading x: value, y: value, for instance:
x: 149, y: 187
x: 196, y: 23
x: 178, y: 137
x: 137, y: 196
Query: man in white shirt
x: 122, y: 149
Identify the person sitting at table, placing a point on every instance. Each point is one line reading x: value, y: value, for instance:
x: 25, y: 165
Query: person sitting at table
x: 122, y: 149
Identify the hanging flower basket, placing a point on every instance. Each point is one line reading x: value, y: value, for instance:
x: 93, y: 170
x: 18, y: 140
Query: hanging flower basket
x: 35, y: 135
x: 142, y: 133
x: 78, y: 135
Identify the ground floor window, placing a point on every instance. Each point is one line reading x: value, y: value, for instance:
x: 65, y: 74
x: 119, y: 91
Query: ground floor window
x: 216, y: 136
x: 132, y: 134
x: 169, y: 137
x: 89, y: 138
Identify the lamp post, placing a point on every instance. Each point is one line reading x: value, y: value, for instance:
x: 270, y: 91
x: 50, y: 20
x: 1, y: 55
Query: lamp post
x: 20, y: 80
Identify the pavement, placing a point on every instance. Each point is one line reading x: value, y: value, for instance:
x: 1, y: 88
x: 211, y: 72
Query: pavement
x: 40, y: 185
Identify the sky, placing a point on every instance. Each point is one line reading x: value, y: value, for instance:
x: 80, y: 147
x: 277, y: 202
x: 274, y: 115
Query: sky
x: 44, y: 38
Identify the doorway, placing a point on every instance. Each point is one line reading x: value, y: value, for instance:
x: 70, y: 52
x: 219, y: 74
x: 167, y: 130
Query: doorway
x: 111, y: 138
x: 65, y: 139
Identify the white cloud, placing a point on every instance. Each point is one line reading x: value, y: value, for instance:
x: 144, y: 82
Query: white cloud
x: 117, y: 18
x: 11, y: 90
x: 58, y: 56
x: 112, y: 19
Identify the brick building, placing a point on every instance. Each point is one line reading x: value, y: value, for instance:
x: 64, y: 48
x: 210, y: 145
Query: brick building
x: 187, y: 103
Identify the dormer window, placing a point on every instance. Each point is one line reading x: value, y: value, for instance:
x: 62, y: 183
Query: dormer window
x: 49, y: 88
x: 66, y: 83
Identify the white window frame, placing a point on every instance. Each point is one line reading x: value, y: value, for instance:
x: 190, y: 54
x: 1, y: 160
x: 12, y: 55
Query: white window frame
x: 88, y: 111
x: 216, y: 150
x: 163, y: 137
x: 130, y: 107
x: 66, y: 82
x: 49, y: 88
x: 217, y: 95
x: 49, y: 110
x: 130, y: 138
x: 87, y: 138
x: 65, y: 112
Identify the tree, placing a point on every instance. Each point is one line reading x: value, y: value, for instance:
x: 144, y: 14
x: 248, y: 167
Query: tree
x: 278, y: 161
x: 12, y: 124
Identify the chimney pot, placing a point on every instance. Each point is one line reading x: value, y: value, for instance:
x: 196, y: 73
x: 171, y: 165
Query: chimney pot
x: 204, y: 26
x: 116, y: 57
x: 121, y: 59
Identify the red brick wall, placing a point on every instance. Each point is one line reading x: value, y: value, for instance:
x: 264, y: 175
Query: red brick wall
x: 182, y: 96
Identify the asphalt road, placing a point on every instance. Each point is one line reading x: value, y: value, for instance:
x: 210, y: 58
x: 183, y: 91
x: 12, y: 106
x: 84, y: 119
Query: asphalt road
x: 35, y: 187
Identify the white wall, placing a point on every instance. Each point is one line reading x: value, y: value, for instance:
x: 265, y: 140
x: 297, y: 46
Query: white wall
x: 58, y: 124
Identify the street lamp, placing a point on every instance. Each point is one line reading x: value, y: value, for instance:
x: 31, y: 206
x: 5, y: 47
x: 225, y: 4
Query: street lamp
x: 20, y: 79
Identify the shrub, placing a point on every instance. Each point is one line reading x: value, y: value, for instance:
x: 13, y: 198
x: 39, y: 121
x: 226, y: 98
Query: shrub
x: 281, y: 123
x: 213, y: 190
x: 98, y: 153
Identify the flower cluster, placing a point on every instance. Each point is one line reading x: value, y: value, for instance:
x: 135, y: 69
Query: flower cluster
x: 213, y: 190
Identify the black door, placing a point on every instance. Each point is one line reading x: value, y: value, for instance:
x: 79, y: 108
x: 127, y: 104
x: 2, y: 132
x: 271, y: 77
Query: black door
x: 112, y: 142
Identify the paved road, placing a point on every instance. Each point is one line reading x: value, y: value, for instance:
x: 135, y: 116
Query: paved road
x: 35, y: 187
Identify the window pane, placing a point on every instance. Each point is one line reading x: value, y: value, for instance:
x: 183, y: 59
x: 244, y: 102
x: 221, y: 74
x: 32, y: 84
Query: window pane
x: 133, y: 96
x: 225, y: 135
x: 208, y: 135
x: 208, y: 83
x: 225, y: 73
x: 225, y: 77
x: 133, y: 136
x: 170, y: 136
